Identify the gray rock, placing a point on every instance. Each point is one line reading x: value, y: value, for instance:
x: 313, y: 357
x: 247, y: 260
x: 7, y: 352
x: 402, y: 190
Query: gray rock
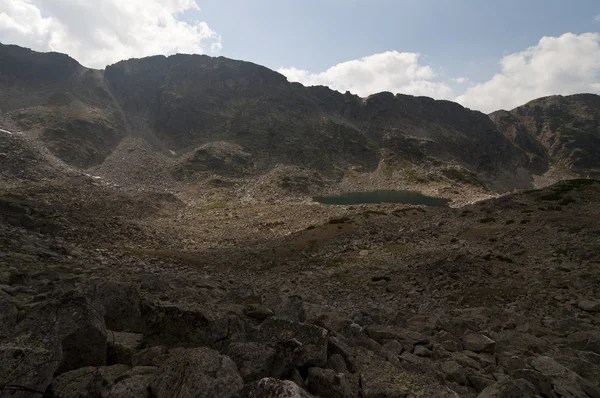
x: 292, y: 309
x: 121, y: 302
x: 337, y: 364
x: 422, y: 351
x: 564, y: 382
x: 273, y: 388
x: 313, y: 339
x: 585, y: 341
x: 479, y: 382
x: 187, y: 325
x: 146, y: 357
x: 82, y: 333
x: 449, y: 341
x: 478, y: 343
x: 132, y: 387
x: 254, y: 360
x: 121, y: 346
x: 258, y: 311
x: 31, y: 356
x: 88, y: 381
x: 509, y: 388
x: 328, y: 383
x: 197, y: 373
x: 454, y: 372
x: 8, y: 315
x: 386, y: 381
x: 589, y: 305
x: 382, y: 334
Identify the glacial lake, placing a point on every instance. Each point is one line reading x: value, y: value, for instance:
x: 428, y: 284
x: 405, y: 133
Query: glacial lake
x: 405, y: 197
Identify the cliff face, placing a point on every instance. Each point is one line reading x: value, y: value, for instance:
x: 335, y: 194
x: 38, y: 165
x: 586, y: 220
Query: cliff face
x: 556, y: 130
x: 235, y: 118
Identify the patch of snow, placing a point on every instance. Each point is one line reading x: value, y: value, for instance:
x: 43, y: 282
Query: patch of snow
x: 173, y: 152
x: 5, y: 131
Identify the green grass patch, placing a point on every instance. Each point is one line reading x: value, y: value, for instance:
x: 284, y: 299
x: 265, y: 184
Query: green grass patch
x: 216, y: 205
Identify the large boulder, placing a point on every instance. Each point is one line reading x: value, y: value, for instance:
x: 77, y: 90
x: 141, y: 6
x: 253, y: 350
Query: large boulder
x: 121, y: 303
x: 327, y: 383
x: 313, y: 339
x: 82, y: 333
x: 121, y: 346
x: 88, y: 381
x: 29, y: 359
x: 132, y: 387
x: 383, y: 380
x: 273, y: 388
x: 477, y: 342
x: 197, y: 373
x: 254, y: 360
x: 189, y: 325
x: 563, y: 381
x: 508, y: 388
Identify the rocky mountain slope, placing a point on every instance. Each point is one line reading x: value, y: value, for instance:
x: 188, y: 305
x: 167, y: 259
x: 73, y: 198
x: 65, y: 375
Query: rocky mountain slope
x: 556, y: 131
x: 236, y: 120
x: 106, y: 293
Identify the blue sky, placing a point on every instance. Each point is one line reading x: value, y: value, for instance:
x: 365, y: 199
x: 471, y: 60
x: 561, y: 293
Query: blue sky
x: 486, y: 55
x: 458, y: 37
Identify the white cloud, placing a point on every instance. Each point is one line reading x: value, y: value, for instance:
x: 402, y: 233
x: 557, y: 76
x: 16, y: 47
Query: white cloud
x: 597, y: 18
x: 461, y: 80
x: 389, y: 71
x: 101, y: 32
x: 562, y: 65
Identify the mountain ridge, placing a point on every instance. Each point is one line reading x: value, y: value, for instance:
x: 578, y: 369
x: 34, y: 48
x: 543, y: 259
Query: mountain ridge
x: 240, y: 120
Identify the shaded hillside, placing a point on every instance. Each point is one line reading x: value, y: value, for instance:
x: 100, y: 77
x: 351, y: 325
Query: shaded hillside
x: 556, y: 130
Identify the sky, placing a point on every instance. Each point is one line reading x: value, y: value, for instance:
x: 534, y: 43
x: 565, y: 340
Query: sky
x: 485, y: 55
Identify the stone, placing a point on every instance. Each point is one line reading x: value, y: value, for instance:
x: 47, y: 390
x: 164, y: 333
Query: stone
x: 337, y: 364
x: 478, y: 343
x: 132, y: 387
x: 585, y: 341
x: 313, y: 339
x: 257, y: 311
x: 382, y: 334
x: 508, y: 388
x: 454, y: 372
x: 31, y: 356
x: 273, y: 388
x: 254, y: 360
x: 122, y: 305
x: 8, y: 315
x: 292, y: 309
x: 589, y: 305
x: 121, y: 346
x: 328, y: 383
x: 197, y: 373
x: 82, y: 333
x: 88, y: 381
x: 479, y: 382
x: 146, y: 357
x: 190, y: 325
x: 563, y: 381
x: 383, y: 380
x: 422, y: 351
x: 449, y: 341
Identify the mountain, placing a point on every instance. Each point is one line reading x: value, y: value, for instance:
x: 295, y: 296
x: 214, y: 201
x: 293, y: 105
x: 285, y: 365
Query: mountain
x: 194, y: 117
x: 557, y: 130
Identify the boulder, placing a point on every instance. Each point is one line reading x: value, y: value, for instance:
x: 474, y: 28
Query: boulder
x: 121, y: 302
x: 508, y: 388
x: 257, y: 311
x: 31, y: 356
x: 313, y: 339
x: 254, y: 360
x: 454, y: 372
x: 197, y: 373
x: 132, y: 387
x: 88, y: 381
x: 82, y: 333
x: 563, y: 381
x: 147, y: 356
x: 478, y: 343
x: 328, y: 383
x: 121, y: 346
x: 190, y: 325
x: 337, y: 364
x: 585, y: 341
x: 273, y: 388
x: 589, y: 305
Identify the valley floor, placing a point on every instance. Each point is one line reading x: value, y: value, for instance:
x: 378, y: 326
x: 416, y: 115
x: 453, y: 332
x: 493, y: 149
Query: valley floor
x: 99, y: 286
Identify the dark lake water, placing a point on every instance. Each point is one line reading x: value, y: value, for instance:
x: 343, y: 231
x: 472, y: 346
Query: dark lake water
x: 406, y: 197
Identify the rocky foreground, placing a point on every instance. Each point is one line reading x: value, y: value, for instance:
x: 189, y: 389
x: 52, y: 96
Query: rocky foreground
x: 105, y: 293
